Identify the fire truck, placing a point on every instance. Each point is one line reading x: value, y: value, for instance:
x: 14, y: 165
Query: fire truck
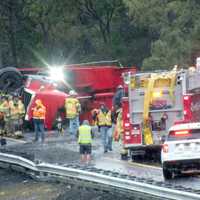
x: 155, y: 102
x: 94, y: 84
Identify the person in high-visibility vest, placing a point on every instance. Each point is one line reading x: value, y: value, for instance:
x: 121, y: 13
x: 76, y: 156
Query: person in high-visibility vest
x: 2, y: 114
x: 85, y: 141
x: 104, y: 123
x: 39, y: 112
x: 73, y: 109
x: 5, y: 110
x: 17, y: 112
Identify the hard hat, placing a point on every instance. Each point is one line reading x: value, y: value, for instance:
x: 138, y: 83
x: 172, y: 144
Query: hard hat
x: 38, y: 101
x: 119, y: 87
x: 72, y: 92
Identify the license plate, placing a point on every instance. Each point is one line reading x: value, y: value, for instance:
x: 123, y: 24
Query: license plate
x: 187, y: 148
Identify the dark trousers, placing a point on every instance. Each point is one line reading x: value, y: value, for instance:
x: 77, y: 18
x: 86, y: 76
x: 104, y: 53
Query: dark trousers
x: 39, y: 129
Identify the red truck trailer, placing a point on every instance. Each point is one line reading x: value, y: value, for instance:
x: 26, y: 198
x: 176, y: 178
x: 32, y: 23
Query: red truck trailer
x: 93, y: 83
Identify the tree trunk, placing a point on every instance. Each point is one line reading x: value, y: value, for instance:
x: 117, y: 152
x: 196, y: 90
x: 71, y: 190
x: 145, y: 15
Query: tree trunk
x: 11, y: 33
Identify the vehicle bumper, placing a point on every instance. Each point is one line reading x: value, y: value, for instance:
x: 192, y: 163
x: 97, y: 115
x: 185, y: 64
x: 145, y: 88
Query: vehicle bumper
x: 184, y: 165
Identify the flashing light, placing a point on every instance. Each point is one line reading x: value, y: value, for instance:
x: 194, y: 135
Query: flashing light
x: 157, y: 94
x: 185, y: 112
x: 127, y: 137
x: 186, y: 98
x: 127, y: 133
x: 56, y: 73
x: 127, y: 124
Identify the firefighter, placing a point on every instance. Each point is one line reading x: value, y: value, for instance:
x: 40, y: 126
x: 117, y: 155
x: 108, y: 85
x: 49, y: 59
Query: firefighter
x: 2, y: 122
x: 39, y: 112
x: 85, y: 141
x: 5, y: 110
x: 117, y: 99
x: 104, y: 123
x: 114, y: 115
x: 94, y: 114
x: 59, y: 122
x: 73, y: 109
x: 17, y: 112
x: 118, y: 134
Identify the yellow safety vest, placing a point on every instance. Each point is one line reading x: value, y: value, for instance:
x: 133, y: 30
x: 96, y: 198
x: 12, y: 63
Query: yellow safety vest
x: 85, y: 136
x: 17, y: 111
x: 104, y: 119
x: 5, y: 109
x: 72, y: 107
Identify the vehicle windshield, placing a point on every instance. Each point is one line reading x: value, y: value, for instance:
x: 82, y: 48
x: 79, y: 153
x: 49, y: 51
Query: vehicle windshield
x: 184, y: 135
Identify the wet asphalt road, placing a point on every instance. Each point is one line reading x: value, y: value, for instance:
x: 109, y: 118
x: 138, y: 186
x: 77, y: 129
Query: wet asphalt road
x: 61, y: 150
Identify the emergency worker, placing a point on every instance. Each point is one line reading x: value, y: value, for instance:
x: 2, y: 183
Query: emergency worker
x: 117, y: 98
x: 94, y: 113
x: 85, y: 141
x: 17, y: 112
x: 104, y: 123
x: 5, y: 110
x: 2, y: 122
x: 73, y: 109
x: 111, y: 131
x: 39, y: 112
x: 118, y: 134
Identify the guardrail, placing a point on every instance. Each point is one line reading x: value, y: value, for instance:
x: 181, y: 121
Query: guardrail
x: 121, y: 182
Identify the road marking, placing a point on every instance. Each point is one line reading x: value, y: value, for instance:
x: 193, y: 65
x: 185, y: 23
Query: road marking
x: 133, y: 163
x: 144, y: 165
x: 15, y: 140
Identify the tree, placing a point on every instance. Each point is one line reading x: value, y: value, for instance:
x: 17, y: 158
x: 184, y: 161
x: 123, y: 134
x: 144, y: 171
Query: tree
x: 172, y: 23
x: 98, y: 13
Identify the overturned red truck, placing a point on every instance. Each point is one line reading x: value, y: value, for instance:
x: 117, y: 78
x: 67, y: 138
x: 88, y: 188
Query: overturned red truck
x: 94, y: 84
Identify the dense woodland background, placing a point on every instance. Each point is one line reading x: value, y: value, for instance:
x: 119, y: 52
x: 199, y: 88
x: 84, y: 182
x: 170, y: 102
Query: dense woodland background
x: 151, y: 34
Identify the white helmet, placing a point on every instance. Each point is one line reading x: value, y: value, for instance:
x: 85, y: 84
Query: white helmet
x: 72, y: 92
x: 119, y: 87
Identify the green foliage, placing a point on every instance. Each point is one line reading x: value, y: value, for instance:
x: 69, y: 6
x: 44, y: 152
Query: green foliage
x: 174, y: 26
x: 152, y: 34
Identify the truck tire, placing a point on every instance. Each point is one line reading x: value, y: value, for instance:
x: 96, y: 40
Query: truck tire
x: 10, y: 79
x: 167, y: 174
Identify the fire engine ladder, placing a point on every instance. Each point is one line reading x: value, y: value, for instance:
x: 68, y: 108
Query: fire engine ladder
x: 147, y: 132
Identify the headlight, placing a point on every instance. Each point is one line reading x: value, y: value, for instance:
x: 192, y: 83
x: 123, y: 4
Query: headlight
x: 56, y: 73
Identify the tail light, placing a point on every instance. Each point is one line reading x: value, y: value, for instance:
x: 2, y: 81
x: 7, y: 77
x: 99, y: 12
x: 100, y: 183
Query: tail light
x: 180, y: 133
x: 165, y: 148
x: 184, y: 132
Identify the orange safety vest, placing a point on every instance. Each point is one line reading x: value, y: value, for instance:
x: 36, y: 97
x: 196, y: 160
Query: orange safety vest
x: 39, y: 112
x: 104, y: 119
x: 72, y: 107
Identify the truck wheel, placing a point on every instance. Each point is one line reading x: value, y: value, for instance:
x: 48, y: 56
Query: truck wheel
x: 167, y: 174
x: 10, y: 79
